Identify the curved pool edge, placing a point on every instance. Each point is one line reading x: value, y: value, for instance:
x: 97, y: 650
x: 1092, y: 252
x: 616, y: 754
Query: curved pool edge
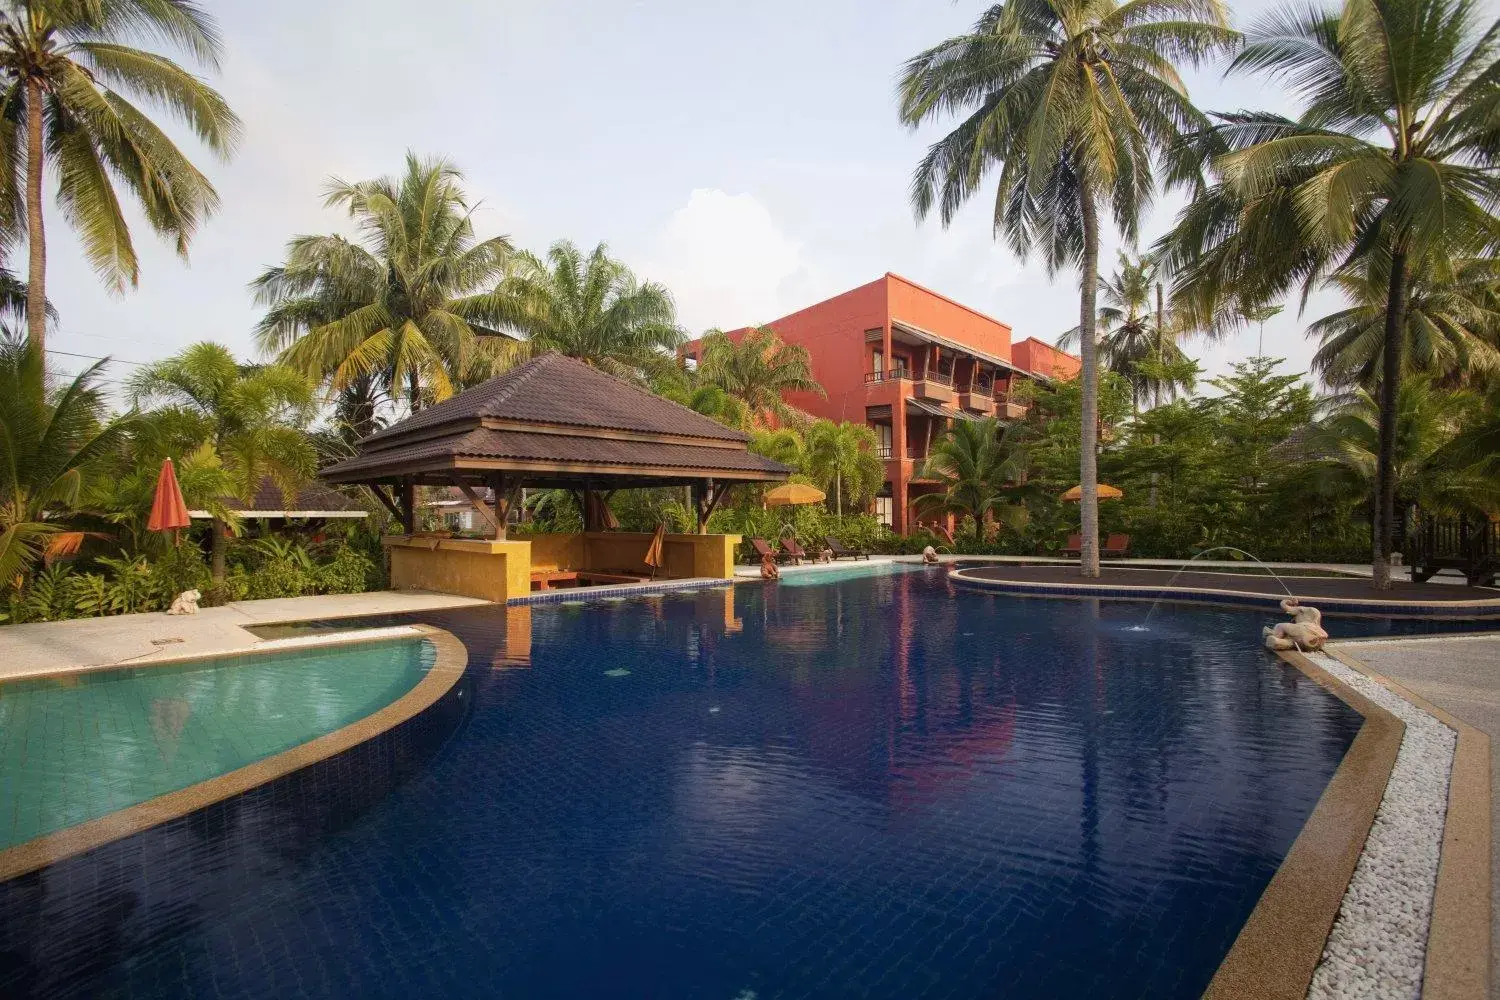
x: 1231, y: 598
x: 448, y: 666
x: 1281, y: 942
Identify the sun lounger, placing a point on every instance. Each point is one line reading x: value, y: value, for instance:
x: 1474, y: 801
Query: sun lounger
x: 797, y: 552
x: 1074, y: 546
x: 840, y: 552
x: 763, y: 549
x: 1115, y: 545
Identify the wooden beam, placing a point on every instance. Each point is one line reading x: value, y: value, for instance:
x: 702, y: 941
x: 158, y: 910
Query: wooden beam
x: 478, y: 503
x: 512, y: 497
x: 409, y: 504
x: 385, y: 500
x: 716, y: 493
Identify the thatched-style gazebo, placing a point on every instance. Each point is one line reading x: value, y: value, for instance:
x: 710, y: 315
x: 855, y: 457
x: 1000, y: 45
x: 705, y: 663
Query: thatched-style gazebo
x: 552, y: 423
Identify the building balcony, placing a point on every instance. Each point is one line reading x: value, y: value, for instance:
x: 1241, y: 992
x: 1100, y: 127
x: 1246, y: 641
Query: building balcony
x: 936, y: 387
x: 892, y: 375
x: 883, y: 452
x: 1006, y: 410
x: 977, y: 399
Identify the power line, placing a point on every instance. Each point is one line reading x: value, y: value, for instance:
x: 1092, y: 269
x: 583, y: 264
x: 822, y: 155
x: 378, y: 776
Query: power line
x: 98, y: 357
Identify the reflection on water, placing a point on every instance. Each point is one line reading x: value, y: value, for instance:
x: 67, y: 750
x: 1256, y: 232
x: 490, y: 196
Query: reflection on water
x: 880, y: 787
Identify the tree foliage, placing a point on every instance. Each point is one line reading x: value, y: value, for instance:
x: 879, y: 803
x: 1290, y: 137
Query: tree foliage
x: 74, y: 83
x: 408, y: 308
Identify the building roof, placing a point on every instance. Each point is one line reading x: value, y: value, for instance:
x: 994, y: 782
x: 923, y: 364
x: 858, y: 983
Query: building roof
x: 934, y: 410
x: 556, y: 421
x: 310, y: 501
x: 954, y: 345
x: 554, y: 389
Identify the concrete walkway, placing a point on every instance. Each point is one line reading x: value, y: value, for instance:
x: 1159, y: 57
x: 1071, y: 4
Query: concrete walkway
x: 1460, y: 675
x: 52, y: 647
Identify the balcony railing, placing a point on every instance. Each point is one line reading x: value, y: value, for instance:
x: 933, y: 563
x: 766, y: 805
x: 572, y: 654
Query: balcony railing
x: 980, y: 389
x: 892, y: 375
x: 915, y: 453
x: 883, y: 451
x: 939, y: 378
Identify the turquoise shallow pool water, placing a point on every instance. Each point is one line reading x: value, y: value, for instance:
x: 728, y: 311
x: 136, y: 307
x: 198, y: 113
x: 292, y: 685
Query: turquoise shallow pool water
x: 853, y: 571
x: 76, y: 748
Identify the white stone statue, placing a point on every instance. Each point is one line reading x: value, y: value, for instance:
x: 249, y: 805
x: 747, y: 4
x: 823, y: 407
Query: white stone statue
x: 186, y: 603
x: 930, y: 556
x: 1303, y: 633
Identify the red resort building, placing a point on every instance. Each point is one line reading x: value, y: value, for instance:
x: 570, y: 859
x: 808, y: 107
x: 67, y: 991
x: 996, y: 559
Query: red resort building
x: 907, y: 361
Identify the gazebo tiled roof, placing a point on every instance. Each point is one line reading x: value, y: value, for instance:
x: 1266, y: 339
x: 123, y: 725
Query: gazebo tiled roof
x: 557, y: 421
x: 312, y: 501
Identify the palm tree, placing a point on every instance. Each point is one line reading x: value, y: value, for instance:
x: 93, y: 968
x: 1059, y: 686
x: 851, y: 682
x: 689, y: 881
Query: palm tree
x: 758, y: 369
x: 976, y: 462
x: 591, y: 308
x: 1135, y: 333
x: 410, y: 303
x: 1428, y: 470
x: 1390, y: 171
x: 842, y: 455
x: 47, y: 439
x: 252, y: 415
x: 1451, y: 326
x: 69, y: 74
x: 1073, y: 100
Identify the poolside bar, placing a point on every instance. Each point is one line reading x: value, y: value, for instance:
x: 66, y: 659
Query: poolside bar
x: 552, y: 423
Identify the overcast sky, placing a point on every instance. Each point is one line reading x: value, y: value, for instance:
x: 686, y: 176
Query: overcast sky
x: 747, y: 155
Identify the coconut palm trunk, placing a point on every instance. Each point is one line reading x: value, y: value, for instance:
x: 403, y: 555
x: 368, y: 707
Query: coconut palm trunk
x: 36, y: 239
x: 1088, y: 454
x: 218, y: 555
x: 1384, y: 513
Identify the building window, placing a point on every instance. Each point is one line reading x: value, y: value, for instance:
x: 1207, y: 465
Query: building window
x: 882, y: 440
x: 690, y: 361
x: 877, y: 362
x: 883, y: 510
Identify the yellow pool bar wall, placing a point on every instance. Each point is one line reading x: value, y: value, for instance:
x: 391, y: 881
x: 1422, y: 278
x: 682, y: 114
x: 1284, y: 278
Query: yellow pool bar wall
x: 499, y: 570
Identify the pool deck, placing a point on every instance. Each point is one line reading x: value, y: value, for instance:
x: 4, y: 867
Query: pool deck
x: 1459, y: 676
x: 40, y: 648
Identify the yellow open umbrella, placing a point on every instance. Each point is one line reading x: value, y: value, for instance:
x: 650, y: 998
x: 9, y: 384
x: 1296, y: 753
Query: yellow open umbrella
x: 794, y: 494
x: 1106, y: 492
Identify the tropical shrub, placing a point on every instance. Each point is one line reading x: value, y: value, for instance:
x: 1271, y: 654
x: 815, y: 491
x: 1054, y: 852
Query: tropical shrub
x: 349, y: 571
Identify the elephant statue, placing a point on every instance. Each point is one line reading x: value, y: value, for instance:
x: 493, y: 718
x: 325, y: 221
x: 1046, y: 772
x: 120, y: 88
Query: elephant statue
x: 1303, y: 633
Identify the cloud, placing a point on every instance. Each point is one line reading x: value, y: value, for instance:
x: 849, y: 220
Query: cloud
x: 728, y: 263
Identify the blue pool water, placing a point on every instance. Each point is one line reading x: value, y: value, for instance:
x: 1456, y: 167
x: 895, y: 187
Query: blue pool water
x: 880, y: 787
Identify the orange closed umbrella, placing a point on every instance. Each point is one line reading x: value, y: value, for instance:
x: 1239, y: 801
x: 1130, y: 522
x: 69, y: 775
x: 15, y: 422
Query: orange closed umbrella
x: 655, y: 555
x: 168, y: 510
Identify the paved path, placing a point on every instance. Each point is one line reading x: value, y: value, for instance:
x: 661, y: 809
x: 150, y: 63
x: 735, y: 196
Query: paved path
x: 1461, y: 675
x: 52, y: 647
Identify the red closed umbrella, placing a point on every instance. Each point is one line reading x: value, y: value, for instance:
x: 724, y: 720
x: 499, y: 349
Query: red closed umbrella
x: 168, y: 510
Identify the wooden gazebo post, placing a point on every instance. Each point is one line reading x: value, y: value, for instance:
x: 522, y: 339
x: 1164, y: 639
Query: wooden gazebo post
x: 409, y: 504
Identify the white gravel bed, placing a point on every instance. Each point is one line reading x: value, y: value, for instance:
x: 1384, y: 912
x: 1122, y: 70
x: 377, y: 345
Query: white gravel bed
x: 1379, y: 941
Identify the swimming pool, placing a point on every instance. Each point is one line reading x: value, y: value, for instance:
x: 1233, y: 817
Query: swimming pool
x: 876, y: 787
x: 79, y: 747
